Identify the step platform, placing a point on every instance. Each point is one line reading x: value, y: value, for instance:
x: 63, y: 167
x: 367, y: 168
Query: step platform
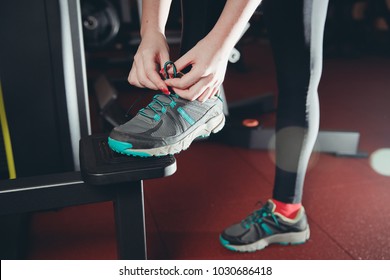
x: 105, y: 176
x: 102, y: 166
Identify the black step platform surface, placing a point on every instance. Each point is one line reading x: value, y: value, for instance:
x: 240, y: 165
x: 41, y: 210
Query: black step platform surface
x: 100, y: 165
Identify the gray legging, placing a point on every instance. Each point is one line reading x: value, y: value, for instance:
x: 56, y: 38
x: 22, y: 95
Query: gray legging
x: 295, y: 29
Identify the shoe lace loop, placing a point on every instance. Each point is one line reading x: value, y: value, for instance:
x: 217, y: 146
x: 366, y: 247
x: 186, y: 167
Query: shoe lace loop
x: 157, y: 107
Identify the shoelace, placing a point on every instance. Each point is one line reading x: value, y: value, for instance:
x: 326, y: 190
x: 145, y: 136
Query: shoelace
x: 174, y: 69
x: 157, y: 107
x: 258, y: 216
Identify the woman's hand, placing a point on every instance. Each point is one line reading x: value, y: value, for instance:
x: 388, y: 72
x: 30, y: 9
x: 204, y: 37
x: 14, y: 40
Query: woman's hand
x: 151, y: 55
x: 209, y: 62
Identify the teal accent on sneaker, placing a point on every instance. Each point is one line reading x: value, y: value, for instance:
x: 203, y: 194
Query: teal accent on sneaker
x: 185, y: 116
x: 225, y: 243
x: 172, y: 104
x: 118, y: 145
x: 125, y: 148
x: 266, y: 228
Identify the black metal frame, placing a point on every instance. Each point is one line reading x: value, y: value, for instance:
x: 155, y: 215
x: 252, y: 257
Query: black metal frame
x: 55, y: 191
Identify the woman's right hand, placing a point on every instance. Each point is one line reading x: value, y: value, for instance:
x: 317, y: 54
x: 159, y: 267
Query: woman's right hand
x: 151, y: 55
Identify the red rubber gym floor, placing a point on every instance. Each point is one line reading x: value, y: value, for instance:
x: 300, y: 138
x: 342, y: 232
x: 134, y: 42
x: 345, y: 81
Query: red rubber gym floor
x: 215, y: 184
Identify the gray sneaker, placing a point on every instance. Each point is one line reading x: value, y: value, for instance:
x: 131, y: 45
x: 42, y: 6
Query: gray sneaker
x: 167, y: 125
x: 264, y: 227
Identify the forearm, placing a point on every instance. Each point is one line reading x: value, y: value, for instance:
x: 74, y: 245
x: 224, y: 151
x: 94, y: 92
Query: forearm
x: 232, y: 21
x: 154, y: 15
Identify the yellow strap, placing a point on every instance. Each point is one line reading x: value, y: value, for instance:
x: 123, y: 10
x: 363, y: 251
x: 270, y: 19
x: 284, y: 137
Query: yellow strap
x: 7, y: 138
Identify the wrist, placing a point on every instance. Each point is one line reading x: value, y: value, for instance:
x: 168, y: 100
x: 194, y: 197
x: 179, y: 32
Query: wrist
x: 154, y: 16
x: 151, y: 30
x: 220, y: 41
x: 231, y: 24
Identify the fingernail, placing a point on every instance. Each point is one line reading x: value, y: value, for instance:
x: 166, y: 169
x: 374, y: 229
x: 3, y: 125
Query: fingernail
x: 162, y: 71
x: 165, y: 91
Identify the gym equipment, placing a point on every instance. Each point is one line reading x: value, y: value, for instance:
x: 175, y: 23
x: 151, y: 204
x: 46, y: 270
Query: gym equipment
x: 237, y: 133
x: 110, y: 110
x: 54, y: 116
x: 339, y: 143
x: 107, y: 177
x: 100, y: 22
x: 7, y: 166
x: 45, y: 104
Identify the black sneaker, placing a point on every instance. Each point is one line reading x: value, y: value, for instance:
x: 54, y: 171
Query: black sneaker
x: 264, y: 227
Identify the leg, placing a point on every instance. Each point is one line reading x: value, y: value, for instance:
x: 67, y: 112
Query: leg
x: 295, y: 30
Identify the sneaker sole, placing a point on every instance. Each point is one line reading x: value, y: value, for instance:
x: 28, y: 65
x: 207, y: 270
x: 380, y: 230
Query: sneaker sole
x: 214, y: 125
x: 291, y: 238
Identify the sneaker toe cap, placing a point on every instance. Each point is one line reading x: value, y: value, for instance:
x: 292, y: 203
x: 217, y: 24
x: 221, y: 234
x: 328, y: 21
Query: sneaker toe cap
x: 233, y: 233
x: 239, y: 235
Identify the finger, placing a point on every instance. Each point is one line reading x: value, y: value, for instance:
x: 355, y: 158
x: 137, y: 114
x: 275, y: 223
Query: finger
x: 202, y: 90
x: 153, y: 76
x: 186, y: 81
x: 186, y: 94
x: 193, y: 93
x: 182, y: 63
x: 132, y: 78
x: 205, y: 95
x: 163, y: 58
x: 215, y: 91
x: 143, y: 78
x: 208, y: 94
